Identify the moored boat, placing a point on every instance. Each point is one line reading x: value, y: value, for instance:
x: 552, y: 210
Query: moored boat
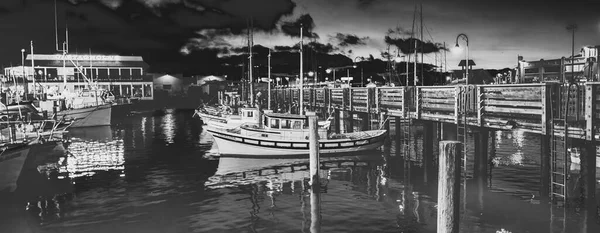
x: 287, y: 135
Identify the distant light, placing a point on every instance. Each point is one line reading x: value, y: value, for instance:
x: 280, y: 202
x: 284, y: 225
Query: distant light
x: 311, y: 73
x: 398, y: 59
x: 328, y: 70
x: 22, y: 50
x: 354, y: 66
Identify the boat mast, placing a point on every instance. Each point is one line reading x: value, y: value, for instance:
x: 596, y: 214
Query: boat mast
x: 33, y: 69
x: 269, y: 81
x: 422, y: 44
x: 301, y: 70
x: 250, y: 68
x: 413, y: 37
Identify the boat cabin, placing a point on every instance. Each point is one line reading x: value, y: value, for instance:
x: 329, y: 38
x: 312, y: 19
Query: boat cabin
x: 247, y: 115
x: 283, y: 126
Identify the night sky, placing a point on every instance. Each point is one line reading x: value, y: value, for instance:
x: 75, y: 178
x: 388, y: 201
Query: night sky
x: 195, y: 32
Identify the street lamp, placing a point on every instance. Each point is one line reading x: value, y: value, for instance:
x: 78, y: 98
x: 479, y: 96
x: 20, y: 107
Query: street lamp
x: 464, y: 37
x: 329, y: 70
x: 362, y: 79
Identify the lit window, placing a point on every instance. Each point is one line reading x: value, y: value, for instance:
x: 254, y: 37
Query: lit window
x: 275, y: 123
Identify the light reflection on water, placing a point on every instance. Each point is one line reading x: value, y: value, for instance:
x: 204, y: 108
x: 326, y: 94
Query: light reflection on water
x: 171, y: 187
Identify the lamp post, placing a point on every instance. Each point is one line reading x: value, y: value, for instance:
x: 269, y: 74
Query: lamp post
x: 362, y: 79
x: 464, y: 37
x: 329, y: 71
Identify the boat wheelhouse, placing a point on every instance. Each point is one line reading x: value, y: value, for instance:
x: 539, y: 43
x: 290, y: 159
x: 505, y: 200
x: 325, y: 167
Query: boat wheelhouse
x: 217, y: 119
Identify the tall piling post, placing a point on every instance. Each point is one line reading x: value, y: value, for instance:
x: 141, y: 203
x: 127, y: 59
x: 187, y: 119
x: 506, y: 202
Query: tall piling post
x: 545, y: 167
x: 448, y: 211
x: 428, y: 133
x: 313, y: 148
x: 481, y: 157
x: 398, y: 134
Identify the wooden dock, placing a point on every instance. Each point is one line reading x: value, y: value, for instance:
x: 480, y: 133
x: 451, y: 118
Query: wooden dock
x: 528, y: 107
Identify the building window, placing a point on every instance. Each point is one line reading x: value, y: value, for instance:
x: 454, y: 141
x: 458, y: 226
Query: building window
x: 275, y: 123
x: 147, y: 90
x: 166, y: 87
x: 285, y: 124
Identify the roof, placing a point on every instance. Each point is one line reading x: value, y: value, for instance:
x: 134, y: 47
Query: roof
x: 56, y: 60
x: 462, y: 63
x: 286, y: 116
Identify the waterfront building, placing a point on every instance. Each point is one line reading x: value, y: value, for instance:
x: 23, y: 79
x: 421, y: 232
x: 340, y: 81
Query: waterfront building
x: 583, y: 67
x: 124, y: 76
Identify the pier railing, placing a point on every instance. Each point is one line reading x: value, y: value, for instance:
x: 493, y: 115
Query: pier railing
x: 528, y: 107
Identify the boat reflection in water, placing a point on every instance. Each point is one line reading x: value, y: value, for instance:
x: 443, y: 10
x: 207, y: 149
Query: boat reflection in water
x: 273, y: 184
x: 91, y: 150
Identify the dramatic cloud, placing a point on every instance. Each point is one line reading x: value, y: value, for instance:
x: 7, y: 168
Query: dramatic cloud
x: 344, y: 40
x: 293, y: 28
x: 407, y: 45
x: 320, y: 47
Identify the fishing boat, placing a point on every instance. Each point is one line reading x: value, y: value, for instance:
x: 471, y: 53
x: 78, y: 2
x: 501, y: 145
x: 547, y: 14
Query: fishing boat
x: 285, y: 135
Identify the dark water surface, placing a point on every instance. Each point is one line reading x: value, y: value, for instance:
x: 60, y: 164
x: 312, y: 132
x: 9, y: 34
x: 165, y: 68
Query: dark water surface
x: 158, y: 173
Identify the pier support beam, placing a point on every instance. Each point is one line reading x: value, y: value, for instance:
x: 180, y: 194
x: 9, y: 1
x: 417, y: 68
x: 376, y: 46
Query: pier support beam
x: 545, y: 156
x: 398, y: 135
x: 481, y: 157
x: 365, y: 122
x: 349, y: 119
x: 448, y: 211
x: 588, y: 175
x: 428, y: 134
x: 336, y: 120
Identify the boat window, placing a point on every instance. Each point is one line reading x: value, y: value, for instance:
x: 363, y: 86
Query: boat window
x: 305, y: 125
x: 297, y: 125
x: 275, y: 123
x: 250, y: 114
x: 266, y: 122
x: 285, y: 124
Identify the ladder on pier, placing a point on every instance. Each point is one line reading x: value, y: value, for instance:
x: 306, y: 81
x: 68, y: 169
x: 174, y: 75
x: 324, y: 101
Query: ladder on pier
x: 462, y: 130
x: 405, y: 137
x: 558, y: 165
x: 568, y: 113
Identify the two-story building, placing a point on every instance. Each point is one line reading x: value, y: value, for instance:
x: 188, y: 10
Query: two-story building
x: 582, y: 67
x: 124, y: 76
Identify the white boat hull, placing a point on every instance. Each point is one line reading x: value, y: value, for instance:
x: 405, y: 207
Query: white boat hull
x: 89, y: 116
x: 238, y: 145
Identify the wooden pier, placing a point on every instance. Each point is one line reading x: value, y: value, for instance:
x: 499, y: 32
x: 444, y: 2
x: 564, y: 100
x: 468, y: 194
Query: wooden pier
x: 528, y: 107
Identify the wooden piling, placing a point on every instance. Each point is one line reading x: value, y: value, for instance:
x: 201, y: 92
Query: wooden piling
x: 448, y: 215
x: 315, y: 210
x: 588, y: 174
x: 428, y: 134
x: 350, y: 120
x: 481, y: 157
x: 313, y: 148
x: 545, y: 167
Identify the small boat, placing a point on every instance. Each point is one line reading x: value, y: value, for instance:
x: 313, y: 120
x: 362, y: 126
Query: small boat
x: 285, y: 135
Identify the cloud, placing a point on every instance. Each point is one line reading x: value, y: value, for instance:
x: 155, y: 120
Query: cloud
x: 345, y: 40
x: 407, y: 45
x: 293, y: 28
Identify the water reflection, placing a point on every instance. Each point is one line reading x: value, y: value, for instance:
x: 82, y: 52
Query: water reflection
x: 168, y: 126
x: 92, y: 150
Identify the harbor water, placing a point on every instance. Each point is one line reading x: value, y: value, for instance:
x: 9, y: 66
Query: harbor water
x: 158, y: 172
